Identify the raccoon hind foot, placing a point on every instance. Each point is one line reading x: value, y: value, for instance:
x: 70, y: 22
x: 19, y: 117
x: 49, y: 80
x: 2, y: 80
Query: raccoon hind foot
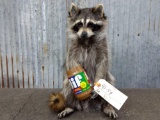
x: 65, y: 112
x: 110, y: 112
x: 56, y: 102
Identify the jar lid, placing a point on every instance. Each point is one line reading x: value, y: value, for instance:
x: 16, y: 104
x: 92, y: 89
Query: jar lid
x: 74, y: 70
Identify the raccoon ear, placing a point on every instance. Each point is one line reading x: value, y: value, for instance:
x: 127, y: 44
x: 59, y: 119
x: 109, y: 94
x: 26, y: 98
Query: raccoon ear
x: 99, y: 10
x: 73, y: 11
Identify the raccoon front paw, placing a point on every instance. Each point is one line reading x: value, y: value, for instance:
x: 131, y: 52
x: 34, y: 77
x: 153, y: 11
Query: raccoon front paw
x: 110, y: 112
x: 94, y: 94
x: 65, y: 112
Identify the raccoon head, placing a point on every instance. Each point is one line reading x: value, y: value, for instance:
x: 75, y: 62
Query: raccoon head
x: 86, y: 23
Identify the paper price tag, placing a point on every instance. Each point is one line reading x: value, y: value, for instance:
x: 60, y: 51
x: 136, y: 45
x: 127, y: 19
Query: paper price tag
x: 110, y: 93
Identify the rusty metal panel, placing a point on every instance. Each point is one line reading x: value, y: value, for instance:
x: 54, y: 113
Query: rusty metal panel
x: 33, y: 42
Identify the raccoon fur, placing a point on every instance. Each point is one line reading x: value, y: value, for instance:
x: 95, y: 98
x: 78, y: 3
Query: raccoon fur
x: 86, y: 35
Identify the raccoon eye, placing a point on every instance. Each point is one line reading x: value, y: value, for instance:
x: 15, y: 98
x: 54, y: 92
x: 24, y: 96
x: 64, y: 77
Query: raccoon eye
x: 94, y: 27
x: 90, y: 25
x: 77, y: 26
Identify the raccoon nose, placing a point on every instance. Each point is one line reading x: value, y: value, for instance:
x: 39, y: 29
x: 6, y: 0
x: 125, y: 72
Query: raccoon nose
x: 84, y: 35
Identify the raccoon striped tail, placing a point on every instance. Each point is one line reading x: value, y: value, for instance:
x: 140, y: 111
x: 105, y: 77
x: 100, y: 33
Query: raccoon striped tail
x: 57, y: 102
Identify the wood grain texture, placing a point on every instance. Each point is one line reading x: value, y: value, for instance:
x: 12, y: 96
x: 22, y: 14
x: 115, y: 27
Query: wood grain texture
x: 33, y: 42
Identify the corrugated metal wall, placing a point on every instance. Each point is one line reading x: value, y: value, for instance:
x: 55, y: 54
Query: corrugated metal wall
x: 33, y: 42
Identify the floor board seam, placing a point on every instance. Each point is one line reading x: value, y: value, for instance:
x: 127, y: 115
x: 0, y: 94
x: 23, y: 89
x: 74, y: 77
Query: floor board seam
x: 22, y: 106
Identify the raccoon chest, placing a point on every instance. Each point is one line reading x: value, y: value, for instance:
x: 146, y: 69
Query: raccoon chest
x: 87, y: 59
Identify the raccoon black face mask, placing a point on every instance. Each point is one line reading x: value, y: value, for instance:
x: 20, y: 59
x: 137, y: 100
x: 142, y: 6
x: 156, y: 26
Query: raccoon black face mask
x: 87, y: 24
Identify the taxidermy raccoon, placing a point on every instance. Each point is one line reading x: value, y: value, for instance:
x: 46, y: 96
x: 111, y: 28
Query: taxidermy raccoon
x: 88, y: 48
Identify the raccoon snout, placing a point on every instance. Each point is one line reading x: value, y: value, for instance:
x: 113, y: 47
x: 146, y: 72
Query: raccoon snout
x: 84, y: 34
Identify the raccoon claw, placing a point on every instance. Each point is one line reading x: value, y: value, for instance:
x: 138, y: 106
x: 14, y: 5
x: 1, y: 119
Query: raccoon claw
x: 110, y: 112
x: 112, y: 115
x: 62, y: 114
x: 65, y: 112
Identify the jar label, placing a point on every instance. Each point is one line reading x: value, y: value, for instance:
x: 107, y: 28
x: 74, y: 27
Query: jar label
x: 79, y: 83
